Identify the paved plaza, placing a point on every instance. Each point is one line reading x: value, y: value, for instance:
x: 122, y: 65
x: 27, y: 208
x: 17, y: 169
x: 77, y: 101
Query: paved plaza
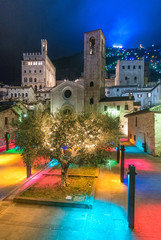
x: 107, y: 219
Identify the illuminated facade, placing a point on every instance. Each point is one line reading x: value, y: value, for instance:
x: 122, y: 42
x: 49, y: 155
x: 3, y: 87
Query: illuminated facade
x: 130, y: 72
x: 37, y: 69
x: 118, y: 107
x: 68, y: 97
x: 144, y: 128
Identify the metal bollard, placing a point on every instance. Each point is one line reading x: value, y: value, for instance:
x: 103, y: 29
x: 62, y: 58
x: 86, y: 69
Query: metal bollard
x: 118, y: 153
x: 131, y: 195
x: 7, y: 141
x: 122, y: 164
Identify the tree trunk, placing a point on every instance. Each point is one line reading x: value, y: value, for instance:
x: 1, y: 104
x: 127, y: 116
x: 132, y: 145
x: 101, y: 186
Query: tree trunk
x: 28, y: 168
x: 64, y: 170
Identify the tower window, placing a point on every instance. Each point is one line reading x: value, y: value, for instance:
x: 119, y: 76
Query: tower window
x: 91, y: 45
x: 6, y: 120
x: 91, y: 84
x: 91, y: 101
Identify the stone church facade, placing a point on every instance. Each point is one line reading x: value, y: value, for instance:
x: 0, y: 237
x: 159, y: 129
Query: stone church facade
x: 72, y: 96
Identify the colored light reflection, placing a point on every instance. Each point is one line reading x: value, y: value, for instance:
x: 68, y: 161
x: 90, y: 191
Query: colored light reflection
x: 124, y: 139
x: 140, y: 164
x: 148, y: 221
x: 110, y: 183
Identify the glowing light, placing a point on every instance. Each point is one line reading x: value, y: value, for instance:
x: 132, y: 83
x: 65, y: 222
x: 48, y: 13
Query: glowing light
x: 117, y: 46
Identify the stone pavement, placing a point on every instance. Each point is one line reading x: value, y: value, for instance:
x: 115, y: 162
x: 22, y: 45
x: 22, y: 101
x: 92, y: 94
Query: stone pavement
x: 107, y: 219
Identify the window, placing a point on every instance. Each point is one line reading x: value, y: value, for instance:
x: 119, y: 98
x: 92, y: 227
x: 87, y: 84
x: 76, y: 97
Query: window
x: 105, y: 108
x: 40, y: 71
x: 125, y: 78
x: 91, y: 101
x: 22, y: 94
x: 67, y: 93
x: 35, y: 80
x: 108, y: 92
x: 25, y: 79
x: 91, y: 45
x: 117, y: 89
x: 139, y: 95
x: 11, y: 94
x: 118, y: 107
x: 24, y: 71
x: 19, y: 94
x: 26, y: 94
x: 35, y: 88
x: 136, y: 122
x: 139, y: 67
x: 40, y: 87
x: 91, y: 84
x: 134, y: 67
x: 122, y: 126
x: 6, y: 120
x: 35, y: 71
x: 135, y: 78
x: 126, y: 107
x: 148, y: 94
x: 134, y: 137
x: 29, y: 71
x: 30, y: 79
x: 128, y: 67
x: 15, y: 94
x: 123, y: 67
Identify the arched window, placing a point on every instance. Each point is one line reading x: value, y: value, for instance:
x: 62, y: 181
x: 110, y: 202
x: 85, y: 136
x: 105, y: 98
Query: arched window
x: 25, y: 79
x: 15, y: 94
x: 26, y: 94
x: 91, y: 101
x: 92, y: 45
x: 30, y: 79
x: 35, y: 88
x: 91, y: 84
x: 40, y: 87
x: 35, y: 79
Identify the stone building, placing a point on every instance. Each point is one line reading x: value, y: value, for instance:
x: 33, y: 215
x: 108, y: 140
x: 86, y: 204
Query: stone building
x: 94, y: 69
x: 118, y: 107
x: 19, y: 93
x: 37, y: 69
x: 68, y: 97
x: 130, y: 72
x: 9, y: 113
x: 144, y: 128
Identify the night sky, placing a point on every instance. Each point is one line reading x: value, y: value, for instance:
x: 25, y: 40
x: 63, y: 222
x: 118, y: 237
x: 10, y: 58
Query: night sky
x: 23, y: 23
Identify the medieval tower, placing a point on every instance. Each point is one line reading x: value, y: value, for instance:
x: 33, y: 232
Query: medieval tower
x: 94, y: 69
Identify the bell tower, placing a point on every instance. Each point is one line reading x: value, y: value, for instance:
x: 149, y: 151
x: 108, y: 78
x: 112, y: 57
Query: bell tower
x: 94, y: 69
x: 44, y: 47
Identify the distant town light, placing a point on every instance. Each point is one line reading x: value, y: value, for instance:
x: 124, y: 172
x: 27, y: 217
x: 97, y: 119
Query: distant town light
x: 117, y: 46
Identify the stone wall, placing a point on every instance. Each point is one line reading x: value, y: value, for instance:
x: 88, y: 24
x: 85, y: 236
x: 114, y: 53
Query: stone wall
x: 157, y: 117
x: 141, y: 130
